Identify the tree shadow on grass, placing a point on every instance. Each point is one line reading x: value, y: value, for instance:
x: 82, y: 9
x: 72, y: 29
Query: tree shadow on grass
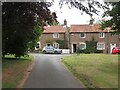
x: 9, y: 59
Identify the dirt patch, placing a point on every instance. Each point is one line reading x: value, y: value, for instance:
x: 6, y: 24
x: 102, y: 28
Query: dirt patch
x: 26, y: 74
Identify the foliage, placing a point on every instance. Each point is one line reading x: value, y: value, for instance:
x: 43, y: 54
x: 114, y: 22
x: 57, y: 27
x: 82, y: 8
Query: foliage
x: 90, y: 7
x: 91, y: 47
x: 61, y: 43
x: 114, y: 14
x: 38, y: 32
x: 22, y: 24
x: 68, y: 30
x: 39, y: 50
x: 49, y: 41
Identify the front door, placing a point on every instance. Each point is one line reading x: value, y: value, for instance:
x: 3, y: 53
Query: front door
x: 111, y: 47
x: 74, y: 48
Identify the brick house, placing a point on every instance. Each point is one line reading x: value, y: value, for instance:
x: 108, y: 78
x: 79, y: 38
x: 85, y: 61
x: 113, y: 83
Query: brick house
x: 79, y: 34
x: 54, y: 36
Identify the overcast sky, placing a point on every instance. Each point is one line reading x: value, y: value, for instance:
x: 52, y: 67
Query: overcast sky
x: 73, y: 16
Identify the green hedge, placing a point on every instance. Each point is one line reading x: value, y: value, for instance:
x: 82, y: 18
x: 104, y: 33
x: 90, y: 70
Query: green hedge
x: 61, y: 43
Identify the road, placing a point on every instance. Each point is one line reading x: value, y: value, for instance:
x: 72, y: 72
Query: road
x: 49, y: 72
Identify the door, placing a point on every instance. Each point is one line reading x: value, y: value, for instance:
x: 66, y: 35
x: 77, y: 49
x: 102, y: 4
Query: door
x: 111, y: 47
x: 74, y: 48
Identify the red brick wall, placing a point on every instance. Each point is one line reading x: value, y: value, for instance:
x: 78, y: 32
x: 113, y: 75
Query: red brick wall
x: 49, y: 36
x: 109, y: 39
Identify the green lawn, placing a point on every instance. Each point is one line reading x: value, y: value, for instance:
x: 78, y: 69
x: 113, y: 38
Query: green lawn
x: 94, y: 70
x: 13, y: 70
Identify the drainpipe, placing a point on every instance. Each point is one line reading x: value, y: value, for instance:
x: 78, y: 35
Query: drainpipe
x: 68, y: 33
x: 69, y: 40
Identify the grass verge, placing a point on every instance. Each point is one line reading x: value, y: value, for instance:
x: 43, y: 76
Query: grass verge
x: 94, y: 70
x: 13, y: 70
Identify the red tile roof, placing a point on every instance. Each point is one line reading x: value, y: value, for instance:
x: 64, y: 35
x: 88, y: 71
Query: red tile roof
x: 54, y: 29
x: 87, y: 28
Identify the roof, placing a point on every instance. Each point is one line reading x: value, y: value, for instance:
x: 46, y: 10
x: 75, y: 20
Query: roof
x: 87, y: 28
x: 54, y: 29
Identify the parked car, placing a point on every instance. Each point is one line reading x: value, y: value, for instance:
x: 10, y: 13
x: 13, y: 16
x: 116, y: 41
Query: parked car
x: 51, y: 49
x: 116, y: 50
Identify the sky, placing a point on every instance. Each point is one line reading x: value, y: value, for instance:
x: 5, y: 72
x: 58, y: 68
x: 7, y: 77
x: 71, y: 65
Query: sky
x: 73, y: 16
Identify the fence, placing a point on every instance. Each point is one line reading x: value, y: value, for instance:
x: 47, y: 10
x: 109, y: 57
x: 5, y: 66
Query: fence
x: 66, y: 51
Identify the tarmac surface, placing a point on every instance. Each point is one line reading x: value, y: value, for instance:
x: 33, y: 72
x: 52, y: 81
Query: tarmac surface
x: 49, y: 72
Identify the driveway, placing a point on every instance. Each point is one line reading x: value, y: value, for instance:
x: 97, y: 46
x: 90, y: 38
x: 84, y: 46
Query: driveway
x: 49, y: 72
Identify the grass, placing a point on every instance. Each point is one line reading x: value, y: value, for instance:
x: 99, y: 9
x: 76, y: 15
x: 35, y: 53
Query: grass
x: 13, y: 70
x: 94, y: 70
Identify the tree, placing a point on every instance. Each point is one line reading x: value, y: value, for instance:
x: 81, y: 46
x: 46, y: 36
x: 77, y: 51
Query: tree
x: 114, y: 21
x: 91, y: 46
x: 90, y: 7
x: 22, y: 24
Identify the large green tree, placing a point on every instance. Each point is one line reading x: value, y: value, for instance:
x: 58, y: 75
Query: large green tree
x: 22, y: 24
x: 114, y: 17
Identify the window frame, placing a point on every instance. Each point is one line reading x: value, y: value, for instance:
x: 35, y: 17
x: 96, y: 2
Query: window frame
x: 81, y: 34
x: 98, y: 48
x: 101, y: 35
x: 55, y: 36
x: 84, y: 46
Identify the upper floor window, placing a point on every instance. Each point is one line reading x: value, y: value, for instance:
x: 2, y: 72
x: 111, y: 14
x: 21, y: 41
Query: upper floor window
x: 82, y: 46
x: 101, y: 35
x: 100, y: 46
x: 56, y: 35
x: 82, y: 35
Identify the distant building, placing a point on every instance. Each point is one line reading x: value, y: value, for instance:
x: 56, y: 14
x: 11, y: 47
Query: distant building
x: 79, y: 34
x: 53, y: 35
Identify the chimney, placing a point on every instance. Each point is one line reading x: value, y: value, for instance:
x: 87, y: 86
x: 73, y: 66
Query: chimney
x: 65, y: 22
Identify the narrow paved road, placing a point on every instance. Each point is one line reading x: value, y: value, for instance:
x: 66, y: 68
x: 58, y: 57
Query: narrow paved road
x: 49, y: 72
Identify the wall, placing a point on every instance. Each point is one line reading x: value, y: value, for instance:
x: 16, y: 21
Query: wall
x: 109, y: 39
x: 49, y: 37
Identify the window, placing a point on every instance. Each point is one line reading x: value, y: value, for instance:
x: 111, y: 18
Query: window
x: 82, y: 46
x: 100, y: 46
x: 56, y: 45
x: 56, y: 35
x: 37, y: 45
x: 82, y: 35
x: 101, y: 35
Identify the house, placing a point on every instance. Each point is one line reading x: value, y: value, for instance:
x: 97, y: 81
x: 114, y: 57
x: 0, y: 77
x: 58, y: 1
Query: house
x: 54, y: 36
x: 79, y: 34
x: 58, y: 37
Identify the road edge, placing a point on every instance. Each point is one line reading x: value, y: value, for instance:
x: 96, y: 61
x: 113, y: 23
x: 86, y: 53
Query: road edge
x: 26, y: 74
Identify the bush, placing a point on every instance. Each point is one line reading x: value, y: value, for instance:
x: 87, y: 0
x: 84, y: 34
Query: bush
x: 61, y: 43
x: 39, y: 50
